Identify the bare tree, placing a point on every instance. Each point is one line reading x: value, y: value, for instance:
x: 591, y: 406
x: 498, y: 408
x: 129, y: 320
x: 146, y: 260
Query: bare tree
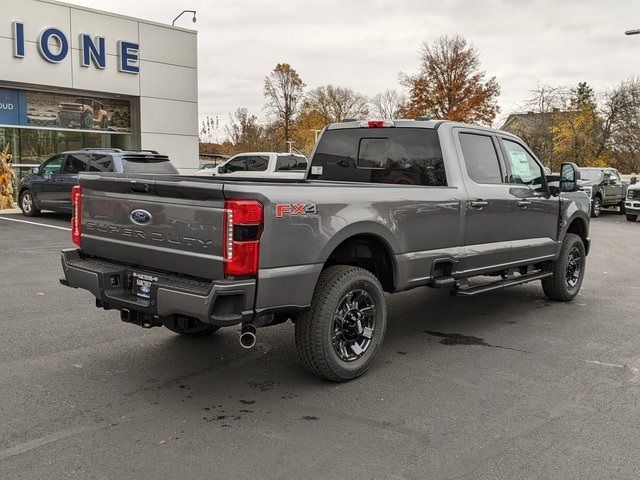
x: 283, y: 90
x: 450, y: 84
x: 209, y: 129
x: 244, y: 131
x: 334, y: 104
x: 387, y: 105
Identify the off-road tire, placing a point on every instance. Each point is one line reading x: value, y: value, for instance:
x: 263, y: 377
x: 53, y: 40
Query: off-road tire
x: 29, y: 209
x: 200, y: 330
x: 631, y: 218
x: 314, y: 328
x: 596, y: 207
x: 556, y: 287
x: 87, y: 121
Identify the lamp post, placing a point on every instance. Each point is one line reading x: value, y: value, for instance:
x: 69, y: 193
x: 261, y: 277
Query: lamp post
x: 316, y: 132
x: 182, y: 13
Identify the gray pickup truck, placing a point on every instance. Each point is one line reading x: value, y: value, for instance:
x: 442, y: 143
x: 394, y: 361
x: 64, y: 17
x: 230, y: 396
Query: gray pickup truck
x: 386, y: 206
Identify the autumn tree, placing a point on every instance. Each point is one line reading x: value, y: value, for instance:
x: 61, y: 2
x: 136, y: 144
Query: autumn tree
x: 335, y: 104
x: 622, y: 109
x: 579, y: 135
x: 450, y: 84
x: 387, y: 105
x: 283, y: 91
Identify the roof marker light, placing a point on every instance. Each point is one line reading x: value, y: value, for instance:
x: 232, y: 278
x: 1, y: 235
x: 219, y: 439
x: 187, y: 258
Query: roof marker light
x: 377, y: 124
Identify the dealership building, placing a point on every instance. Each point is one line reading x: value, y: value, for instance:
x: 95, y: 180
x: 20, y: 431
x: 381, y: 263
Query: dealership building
x: 73, y: 77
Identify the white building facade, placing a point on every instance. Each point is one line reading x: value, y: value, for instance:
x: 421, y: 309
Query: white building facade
x: 73, y: 77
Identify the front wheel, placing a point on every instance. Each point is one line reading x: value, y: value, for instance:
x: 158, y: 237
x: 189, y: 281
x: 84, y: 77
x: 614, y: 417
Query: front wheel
x: 631, y: 218
x: 568, y: 270
x: 596, y: 207
x: 28, y: 204
x: 339, y: 336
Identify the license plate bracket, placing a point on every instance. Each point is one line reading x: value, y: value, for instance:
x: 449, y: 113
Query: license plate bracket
x: 143, y: 284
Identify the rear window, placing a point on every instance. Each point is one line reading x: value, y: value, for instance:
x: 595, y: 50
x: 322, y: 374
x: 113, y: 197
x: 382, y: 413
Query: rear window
x: 290, y: 162
x: 147, y: 164
x: 410, y: 156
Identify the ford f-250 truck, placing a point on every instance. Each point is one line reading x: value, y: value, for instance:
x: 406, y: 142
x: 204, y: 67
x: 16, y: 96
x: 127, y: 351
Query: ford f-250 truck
x: 386, y: 206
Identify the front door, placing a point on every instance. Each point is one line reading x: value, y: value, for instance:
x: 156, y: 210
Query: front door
x: 537, y: 211
x: 613, y: 188
x: 490, y: 210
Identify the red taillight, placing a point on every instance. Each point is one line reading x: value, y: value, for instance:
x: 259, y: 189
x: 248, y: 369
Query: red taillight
x: 76, y: 219
x: 243, y: 222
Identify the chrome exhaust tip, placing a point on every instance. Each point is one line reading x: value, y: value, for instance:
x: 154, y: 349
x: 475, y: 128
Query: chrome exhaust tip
x: 248, y: 336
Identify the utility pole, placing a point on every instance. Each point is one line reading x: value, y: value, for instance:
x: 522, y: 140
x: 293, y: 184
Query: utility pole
x: 290, y: 143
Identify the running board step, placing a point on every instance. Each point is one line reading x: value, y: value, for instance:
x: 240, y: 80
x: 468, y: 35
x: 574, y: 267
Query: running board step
x: 507, y: 282
x: 440, y: 282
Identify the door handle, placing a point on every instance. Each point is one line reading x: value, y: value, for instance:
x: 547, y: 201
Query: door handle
x: 478, y: 204
x: 524, y: 203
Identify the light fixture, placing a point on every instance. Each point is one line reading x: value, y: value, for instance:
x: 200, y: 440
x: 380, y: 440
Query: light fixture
x: 182, y: 13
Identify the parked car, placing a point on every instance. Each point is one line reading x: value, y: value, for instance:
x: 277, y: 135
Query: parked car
x: 83, y: 113
x: 48, y: 187
x: 322, y: 251
x: 604, y: 187
x: 632, y: 202
x: 261, y: 165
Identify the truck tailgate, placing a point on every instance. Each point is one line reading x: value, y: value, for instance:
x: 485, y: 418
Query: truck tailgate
x: 158, y: 222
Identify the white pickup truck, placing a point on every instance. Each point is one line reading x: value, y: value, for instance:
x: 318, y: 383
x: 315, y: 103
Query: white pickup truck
x: 261, y: 165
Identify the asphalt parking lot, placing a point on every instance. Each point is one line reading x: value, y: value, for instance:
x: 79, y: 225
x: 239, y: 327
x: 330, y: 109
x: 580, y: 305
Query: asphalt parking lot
x: 507, y: 385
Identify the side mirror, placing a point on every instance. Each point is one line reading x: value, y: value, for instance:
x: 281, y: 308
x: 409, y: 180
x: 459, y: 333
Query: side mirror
x: 36, y: 170
x: 633, y: 180
x: 569, y: 176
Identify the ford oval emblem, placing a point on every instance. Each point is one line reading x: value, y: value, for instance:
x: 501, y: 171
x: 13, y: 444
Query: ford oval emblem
x: 145, y: 289
x: 140, y: 217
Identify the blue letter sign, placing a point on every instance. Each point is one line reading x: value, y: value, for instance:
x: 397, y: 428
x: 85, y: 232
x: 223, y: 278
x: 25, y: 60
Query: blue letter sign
x: 18, y: 39
x: 90, y: 53
x: 44, y: 48
x: 128, y: 61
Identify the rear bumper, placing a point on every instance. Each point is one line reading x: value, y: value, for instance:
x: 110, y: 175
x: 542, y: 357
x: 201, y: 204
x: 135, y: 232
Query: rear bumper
x: 220, y: 303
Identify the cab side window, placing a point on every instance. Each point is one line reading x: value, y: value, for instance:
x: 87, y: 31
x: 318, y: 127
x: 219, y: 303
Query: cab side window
x: 101, y: 163
x: 523, y: 168
x: 480, y: 158
x: 75, y: 163
x: 236, y: 165
x: 257, y: 163
x: 52, y: 165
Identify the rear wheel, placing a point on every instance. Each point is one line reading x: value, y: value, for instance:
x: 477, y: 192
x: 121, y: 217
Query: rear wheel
x: 596, y: 207
x: 339, y: 336
x: 568, y: 270
x: 28, y: 205
x: 632, y: 218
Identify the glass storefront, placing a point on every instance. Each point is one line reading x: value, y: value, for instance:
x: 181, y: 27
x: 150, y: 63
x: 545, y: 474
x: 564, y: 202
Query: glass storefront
x: 30, y: 147
x: 35, y: 125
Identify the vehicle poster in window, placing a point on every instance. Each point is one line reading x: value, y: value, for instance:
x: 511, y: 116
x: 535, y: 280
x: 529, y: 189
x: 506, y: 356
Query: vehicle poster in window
x: 77, y: 112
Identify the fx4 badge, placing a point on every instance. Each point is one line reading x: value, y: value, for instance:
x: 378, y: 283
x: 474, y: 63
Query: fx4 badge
x: 296, y: 209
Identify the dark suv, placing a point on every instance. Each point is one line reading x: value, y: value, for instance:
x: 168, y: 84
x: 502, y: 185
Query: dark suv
x: 48, y: 187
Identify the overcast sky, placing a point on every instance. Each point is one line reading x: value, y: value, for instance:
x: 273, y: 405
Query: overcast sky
x: 365, y: 44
